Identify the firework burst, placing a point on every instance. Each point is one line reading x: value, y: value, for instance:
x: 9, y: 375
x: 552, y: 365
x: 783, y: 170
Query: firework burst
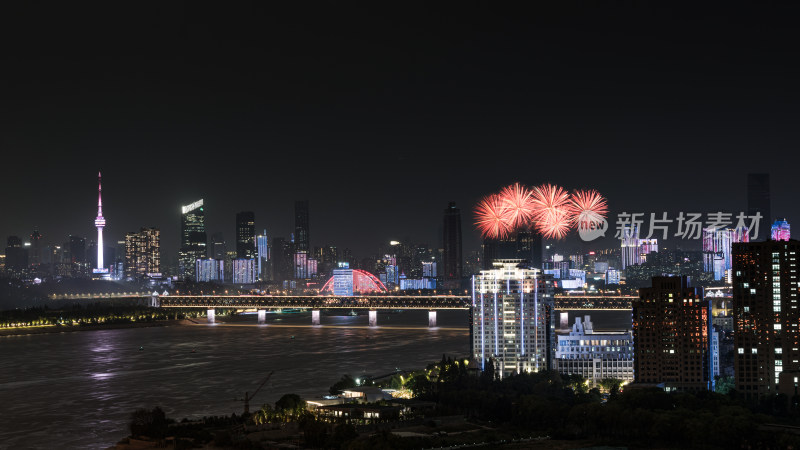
x: 552, y: 211
x: 493, y: 218
x: 587, y: 206
x: 517, y: 200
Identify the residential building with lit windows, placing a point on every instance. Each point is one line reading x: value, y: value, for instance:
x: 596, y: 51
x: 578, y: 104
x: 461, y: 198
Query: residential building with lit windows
x: 143, y: 253
x: 672, y: 334
x: 765, y: 314
x: 595, y: 355
x: 512, y: 318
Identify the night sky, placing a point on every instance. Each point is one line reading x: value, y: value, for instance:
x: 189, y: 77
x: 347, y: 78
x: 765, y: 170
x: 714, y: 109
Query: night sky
x: 379, y: 114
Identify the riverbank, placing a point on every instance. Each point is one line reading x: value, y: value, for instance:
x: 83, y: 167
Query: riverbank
x: 46, y: 329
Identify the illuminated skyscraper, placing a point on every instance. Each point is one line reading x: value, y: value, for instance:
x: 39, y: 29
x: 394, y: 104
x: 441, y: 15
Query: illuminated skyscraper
x: 193, y: 238
x: 100, y: 222
x: 511, y: 311
x: 143, y: 253
x: 672, y: 336
x: 452, y: 259
x: 262, y: 250
x: 758, y: 198
x: 246, y: 235
x: 766, y: 315
x: 301, y: 231
x: 780, y: 230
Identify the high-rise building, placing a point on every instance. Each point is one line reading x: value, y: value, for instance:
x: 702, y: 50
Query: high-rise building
x: 100, y: 223
x: 523, y: 245
x: 301, y: 231
x: 452, y: 258
x: 282, y: 256
x: 77, y: 252
x: 35, y: 255
x: 262, y: 253
x: 343, y: 280
x: 672, y: 336
x: 765, y: 314
x: 218, y: 249
x: 16, y: 257
x: 780, y: 230
x: 244, y: 271
x: 193, y: 238
x: 511, y: 311
x: 717, y: 244
x: 595, y: 355
x: 143, y: 253
x: 758, y: 198
x: 246, y: 235
x: 210, y: 269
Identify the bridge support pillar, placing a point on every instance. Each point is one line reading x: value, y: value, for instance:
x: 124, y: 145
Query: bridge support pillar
x: 315, y: 317
x: 431, y: 319
x: 373, y: 318
x: 210, y: 315
x: 262, y: 316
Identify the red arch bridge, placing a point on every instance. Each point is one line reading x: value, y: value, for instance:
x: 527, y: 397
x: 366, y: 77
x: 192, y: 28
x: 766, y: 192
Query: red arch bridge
x: 315, y: 303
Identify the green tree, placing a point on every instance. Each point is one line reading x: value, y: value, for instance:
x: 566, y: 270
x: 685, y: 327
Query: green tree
x: 346, y: 382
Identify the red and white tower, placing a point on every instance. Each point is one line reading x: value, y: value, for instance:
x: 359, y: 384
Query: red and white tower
x: 99, y: 222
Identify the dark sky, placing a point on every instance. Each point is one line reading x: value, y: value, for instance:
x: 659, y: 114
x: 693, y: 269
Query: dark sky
x: 381, y: 113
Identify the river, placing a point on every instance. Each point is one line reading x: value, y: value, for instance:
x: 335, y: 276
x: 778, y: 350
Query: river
x: 77, y: 390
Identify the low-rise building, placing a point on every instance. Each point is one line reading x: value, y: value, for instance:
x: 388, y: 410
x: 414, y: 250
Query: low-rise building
x: 595, y: 355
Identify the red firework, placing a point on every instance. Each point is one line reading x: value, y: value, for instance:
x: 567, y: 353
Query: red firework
x: 552, y: 211
x: 493, y: 218
x: 517, y: 200
x: 589, y: 206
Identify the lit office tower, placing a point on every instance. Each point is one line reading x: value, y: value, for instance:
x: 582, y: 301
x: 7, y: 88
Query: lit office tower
x: 99, y: 222
x: 672, y: 336
x: 511, y: 310
x: 301, y: 232
x: 262, y: 250
x: 780, y: 230
x: 629, y: 241
x: 765, y: 314
x: 452, y: 260
x: 246, y: 235
x: 193, y: 238
x: 77, y: 254
x: 758, y: 197
x: 143, y: 253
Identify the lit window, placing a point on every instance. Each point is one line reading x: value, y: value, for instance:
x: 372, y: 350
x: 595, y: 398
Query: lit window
x: 741, y: 351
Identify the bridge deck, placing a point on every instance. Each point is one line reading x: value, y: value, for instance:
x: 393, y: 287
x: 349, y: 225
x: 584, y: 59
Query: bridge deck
x: 316, y: 302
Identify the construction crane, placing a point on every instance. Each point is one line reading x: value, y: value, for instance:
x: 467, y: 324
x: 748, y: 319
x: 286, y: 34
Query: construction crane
x: 248, y: 397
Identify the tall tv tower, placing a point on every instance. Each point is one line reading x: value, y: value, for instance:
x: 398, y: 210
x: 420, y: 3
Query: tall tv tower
x: 99, y: 222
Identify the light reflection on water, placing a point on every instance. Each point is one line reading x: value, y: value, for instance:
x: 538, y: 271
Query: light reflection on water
x: 77, y: 390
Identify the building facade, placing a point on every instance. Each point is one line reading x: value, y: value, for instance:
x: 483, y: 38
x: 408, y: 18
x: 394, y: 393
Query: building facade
x: 193, y: 238
x: 452, y: 258
x: 143, y: 253
x: 210, y: 270
x: 301, y: 226
x: 672, y: 335
x: 246, y: 235
x: 244, y: 271
x: 765, y: 314
x: 595, y: 355
x: 511, y: 318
